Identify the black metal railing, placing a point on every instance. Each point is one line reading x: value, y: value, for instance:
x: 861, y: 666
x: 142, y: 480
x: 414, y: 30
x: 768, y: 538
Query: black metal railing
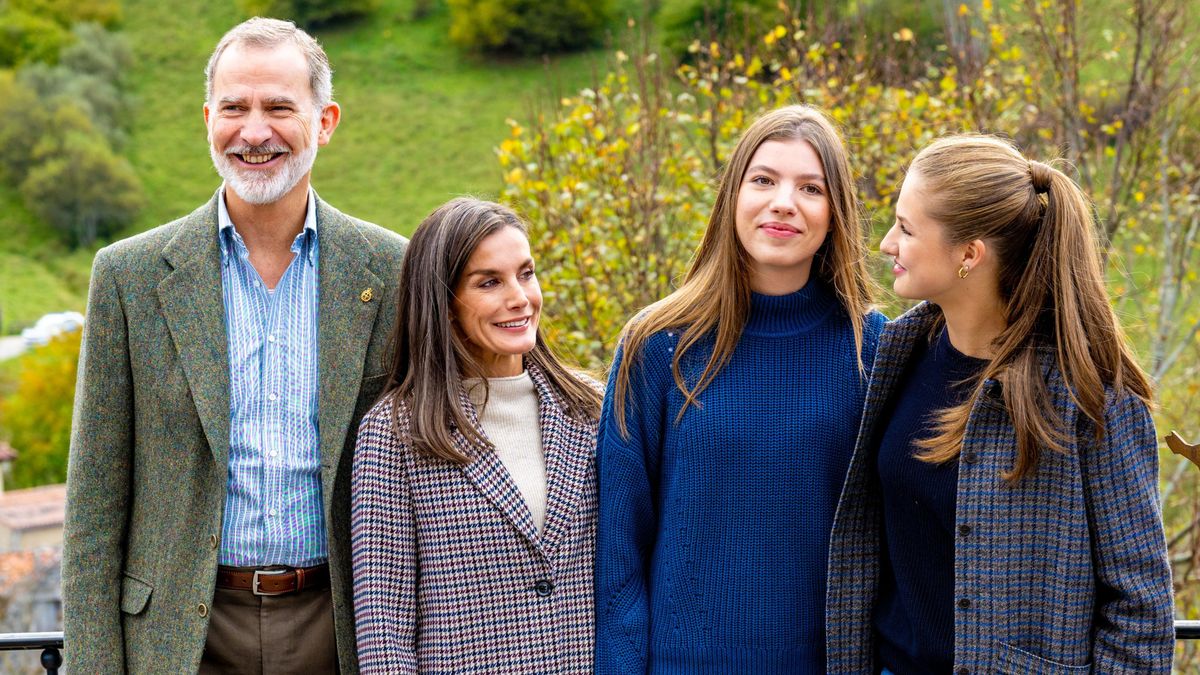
x: 51, y: 644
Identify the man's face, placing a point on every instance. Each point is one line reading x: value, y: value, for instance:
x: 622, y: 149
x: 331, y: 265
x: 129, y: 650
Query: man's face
x: 263, y: 125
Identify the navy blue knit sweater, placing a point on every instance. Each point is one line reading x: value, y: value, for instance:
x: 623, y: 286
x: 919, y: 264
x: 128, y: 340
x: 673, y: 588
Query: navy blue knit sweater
x: 713, y: 533
x: 914, y: 611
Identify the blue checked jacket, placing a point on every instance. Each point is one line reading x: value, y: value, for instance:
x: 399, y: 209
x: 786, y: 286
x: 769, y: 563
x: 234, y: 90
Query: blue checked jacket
x: 450, y: 573
x: 1065, y: 572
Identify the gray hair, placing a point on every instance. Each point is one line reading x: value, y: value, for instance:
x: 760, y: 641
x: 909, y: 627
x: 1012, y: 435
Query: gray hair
x: 269, y: 33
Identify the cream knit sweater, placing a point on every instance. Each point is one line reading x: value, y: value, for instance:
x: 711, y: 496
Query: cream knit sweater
x: 510, y: 421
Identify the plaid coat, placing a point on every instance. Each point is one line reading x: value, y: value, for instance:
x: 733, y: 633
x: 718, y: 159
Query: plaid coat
x: 450, y: 573
x: 1066, y: 572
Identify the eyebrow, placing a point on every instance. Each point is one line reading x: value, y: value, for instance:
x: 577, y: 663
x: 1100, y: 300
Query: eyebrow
x: 491, y: 273
x: 766, y: 169
x: 270, y: 100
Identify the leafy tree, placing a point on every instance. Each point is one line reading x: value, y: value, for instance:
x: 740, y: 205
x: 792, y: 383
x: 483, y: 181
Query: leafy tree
x: 36, y: 416
x: 69, y: 12
x: 90, y: 76
x: 528, y: 27
x: 78, y: 184
x: 29, y: 38
x: 309, y: 13
x: 25, y: 122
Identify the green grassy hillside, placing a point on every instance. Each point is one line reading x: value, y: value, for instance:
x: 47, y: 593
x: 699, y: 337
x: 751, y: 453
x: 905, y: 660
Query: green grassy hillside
x: 419, y: 122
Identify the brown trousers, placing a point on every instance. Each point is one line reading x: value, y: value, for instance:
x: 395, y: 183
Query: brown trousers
x: 270, y: 635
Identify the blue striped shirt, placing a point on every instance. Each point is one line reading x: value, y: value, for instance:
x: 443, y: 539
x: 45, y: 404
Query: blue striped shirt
x: 273, y: 507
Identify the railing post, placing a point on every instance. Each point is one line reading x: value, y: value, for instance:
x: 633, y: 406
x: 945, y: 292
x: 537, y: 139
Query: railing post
x: 51, y: 660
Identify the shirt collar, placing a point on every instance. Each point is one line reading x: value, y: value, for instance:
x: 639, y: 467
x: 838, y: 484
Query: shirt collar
x: 227, y: 232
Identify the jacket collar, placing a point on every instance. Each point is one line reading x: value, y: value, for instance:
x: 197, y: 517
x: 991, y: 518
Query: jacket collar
x: 568, y: 446
x: 193, y: 305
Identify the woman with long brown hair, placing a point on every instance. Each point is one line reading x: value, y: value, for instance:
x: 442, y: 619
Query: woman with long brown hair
x: 730, y: 418
x: 473, y: 491
x: 1001, y: 511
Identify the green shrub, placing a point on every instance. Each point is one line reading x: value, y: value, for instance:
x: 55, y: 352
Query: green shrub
x: 723, y: 21
x: 25, y: 122
x: 35, y: 416
x: 69, y: 12
x: 528, y: 27
x: 29, y: 38
x: 309, y: 13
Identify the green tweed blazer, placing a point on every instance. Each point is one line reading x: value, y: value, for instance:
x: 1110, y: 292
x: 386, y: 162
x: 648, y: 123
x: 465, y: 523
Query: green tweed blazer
x: 149, y: 457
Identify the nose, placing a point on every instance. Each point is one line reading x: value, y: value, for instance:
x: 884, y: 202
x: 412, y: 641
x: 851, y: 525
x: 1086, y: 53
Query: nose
x: 516, y: 297
x: 887, y: 245
x: 783, y: 200
x: 255, y: 130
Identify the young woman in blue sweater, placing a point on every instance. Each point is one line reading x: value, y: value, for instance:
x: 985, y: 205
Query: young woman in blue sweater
x: 731, y: 413
x: 1001, y: 511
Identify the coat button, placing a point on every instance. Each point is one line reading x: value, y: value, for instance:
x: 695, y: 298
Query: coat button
x: 212, y: 540
x: 964, y: 530
x: 963, y: 671
x: 970, y: 457
x: 964, y: 603
x: 543, y: 588
x: 202, y: 609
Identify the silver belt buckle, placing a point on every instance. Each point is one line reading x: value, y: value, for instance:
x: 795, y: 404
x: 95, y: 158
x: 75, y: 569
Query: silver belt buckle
x: 254, y: 582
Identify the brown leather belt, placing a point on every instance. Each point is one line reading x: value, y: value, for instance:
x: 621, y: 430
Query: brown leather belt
x: 270, y: 581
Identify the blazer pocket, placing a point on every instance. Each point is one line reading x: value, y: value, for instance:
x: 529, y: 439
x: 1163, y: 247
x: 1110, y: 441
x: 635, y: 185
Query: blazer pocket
x: 135, y: 595
x: 1010, y: 659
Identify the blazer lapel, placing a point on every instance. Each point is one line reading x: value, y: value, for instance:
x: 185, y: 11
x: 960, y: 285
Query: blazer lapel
x: 192, y: 304
x: 568, y: 446
x: 492, y: 479
x: 349, y: 298
x: 895, y: 347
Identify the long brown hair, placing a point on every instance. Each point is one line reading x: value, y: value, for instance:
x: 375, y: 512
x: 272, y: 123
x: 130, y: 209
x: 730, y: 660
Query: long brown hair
x: 1040, y: 226
x: 715, y: 294
x: 430, y: 358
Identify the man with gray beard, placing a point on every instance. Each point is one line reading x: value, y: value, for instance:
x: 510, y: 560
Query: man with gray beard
x: 227, y: 358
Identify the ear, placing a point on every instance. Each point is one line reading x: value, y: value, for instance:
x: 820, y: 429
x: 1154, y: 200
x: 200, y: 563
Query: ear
x: 331, y: 114
x: 975, y: 253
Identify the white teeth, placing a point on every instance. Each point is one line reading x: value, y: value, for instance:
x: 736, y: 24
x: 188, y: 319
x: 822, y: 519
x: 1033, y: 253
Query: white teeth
x: 513, y: 324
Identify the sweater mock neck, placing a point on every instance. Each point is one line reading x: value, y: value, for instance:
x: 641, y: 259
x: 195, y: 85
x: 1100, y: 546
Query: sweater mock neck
x: 792, y: 313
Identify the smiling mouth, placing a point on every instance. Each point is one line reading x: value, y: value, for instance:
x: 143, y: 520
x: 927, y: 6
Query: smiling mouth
x: 780, y: 230
x: 262, y: 158
x: 519, y: 323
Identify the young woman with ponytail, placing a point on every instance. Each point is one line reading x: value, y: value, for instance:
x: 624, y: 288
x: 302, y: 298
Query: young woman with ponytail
x: 1001, y: 510
x: 730, y: 418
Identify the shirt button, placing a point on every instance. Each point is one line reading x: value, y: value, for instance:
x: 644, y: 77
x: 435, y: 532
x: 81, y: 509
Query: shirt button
x: 964, y: 530
x: 272, y: 512
x: 543, y: 588
x: 212, y: 540
x: 270, y: 338
x: 202, y: 610
x: 964, y: 603
x: 271, y: 397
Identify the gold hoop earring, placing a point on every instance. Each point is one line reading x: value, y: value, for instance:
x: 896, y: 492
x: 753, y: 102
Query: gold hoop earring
x: 963, y: 271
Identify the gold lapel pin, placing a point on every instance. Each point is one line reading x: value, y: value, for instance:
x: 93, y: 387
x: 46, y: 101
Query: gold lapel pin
x: 366, y: 295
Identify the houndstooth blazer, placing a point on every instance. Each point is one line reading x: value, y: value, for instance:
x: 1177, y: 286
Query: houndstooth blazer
x: 450, y: 573
x: 1066, y: 572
